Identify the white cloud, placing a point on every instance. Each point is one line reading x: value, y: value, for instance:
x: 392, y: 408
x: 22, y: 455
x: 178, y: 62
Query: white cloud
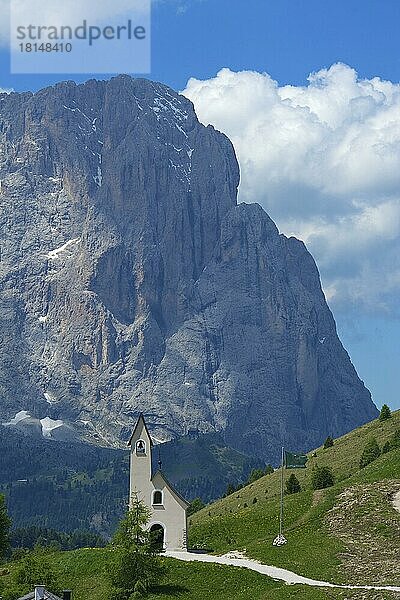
x: 324, y: 161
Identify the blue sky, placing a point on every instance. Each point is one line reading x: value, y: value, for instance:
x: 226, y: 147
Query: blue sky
x: 289, y: 39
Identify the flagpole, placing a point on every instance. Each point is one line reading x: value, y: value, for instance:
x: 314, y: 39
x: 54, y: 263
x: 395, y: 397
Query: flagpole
x: 281, y: 515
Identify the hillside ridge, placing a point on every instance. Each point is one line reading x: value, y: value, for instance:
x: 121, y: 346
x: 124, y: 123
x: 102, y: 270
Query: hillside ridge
x: 353, y: 524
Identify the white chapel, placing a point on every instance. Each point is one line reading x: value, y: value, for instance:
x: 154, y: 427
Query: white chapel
x: 168, y: 508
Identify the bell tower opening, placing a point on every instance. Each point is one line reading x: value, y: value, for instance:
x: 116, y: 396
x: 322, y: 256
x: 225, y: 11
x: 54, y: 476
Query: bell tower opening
x: 141, y: 447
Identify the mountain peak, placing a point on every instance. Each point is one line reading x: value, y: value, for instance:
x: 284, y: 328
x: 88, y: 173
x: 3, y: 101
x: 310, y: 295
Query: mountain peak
x: 132, y: 281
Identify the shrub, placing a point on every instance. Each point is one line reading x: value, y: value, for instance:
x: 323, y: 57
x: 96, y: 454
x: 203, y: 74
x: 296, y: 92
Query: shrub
x: 370, y: 453
x: 254, y: 475
x: 34, y: 568
x: 385, y: 413
x: 328, y: 442
x: 293, y: 485
x: 395, y: 439
x: 392, y: 443
x: 322, y: 477
x: 19, y: 553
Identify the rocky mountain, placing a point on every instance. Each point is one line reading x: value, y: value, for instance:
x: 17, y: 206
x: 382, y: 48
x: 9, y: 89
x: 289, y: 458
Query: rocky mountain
x: 132, y: 281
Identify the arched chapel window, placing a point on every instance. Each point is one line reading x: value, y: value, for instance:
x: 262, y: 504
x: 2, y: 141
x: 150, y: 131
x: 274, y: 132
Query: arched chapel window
x: 140, y: 447
x: 157, y: 497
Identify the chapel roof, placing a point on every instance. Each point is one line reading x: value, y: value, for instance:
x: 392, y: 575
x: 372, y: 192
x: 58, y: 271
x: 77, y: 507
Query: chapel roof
x: 140, y: 422
x: 47, y: 596
x: 160, y: 474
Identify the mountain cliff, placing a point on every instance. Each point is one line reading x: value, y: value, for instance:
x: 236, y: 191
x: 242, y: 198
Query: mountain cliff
x: 132, y: 281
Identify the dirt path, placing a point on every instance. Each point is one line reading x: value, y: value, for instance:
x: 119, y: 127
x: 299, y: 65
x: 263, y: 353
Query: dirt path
x: 396, y: 501
x: 236, y: 559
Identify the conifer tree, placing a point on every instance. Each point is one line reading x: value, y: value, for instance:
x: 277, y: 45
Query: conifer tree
x: 293, y: 485
x: 254, y: 475
x: 385, y: 413
x: 322, y: 477
x: 370, y: 453
x: 136, y: 566
x: 230, y: 489
x: 395, y: 439
x: 5, y: 524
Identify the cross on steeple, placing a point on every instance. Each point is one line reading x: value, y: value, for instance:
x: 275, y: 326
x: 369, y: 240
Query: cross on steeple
x: 159, y: 457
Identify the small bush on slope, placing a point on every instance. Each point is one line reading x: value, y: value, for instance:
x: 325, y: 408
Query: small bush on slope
x: 293, y: 485
x: 370, y: 453
x: 322, y: 478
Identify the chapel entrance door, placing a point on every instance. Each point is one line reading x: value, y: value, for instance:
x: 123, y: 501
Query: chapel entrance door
x: 157, y: 536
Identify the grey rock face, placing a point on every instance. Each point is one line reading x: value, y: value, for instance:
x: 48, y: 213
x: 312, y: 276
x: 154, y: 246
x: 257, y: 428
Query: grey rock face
x: 131, y: 280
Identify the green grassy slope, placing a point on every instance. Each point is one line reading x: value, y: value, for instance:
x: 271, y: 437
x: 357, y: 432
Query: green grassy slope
x: 348, y: 533
x: 84, y: 572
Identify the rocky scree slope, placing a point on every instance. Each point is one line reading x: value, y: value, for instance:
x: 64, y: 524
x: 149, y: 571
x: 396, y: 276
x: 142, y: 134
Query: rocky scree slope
x: 130, y: 280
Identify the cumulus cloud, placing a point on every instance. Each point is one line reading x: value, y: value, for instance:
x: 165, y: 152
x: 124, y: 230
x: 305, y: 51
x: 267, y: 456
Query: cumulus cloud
x: 324, y: 161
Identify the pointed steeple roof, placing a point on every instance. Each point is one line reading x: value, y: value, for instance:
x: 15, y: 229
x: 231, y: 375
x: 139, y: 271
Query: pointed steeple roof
x: 140, y: 423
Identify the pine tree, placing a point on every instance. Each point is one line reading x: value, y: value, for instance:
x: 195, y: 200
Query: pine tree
x: 328, y: 442
x: 5, y: 524
x: 395, y: 440
x: 370, y: 453
x: 293, y: 485
x: 385, y: 413
x: 322, y: 477
x: 136, y: 566
x: 254, y: 475
x: 230, y: 489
